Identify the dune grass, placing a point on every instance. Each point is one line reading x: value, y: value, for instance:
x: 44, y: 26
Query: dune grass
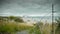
x: 11, y: 27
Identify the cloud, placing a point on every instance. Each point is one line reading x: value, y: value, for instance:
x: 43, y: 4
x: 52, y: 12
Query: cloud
x: 29, y: 7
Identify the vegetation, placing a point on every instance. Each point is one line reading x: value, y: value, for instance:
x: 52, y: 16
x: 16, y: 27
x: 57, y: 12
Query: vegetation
x: 35, y: 29
x: 58, y: 26
x: 9, y: 27
x: 12, y: 24
x: 12, y: 18
x: 16, y: 19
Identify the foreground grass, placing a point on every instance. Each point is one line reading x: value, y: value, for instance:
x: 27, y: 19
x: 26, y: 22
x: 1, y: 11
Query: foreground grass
x: 12, y: 27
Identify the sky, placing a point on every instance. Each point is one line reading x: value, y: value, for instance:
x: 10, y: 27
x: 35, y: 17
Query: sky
x: 29, y: 7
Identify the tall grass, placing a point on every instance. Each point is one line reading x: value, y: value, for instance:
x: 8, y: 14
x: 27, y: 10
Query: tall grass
x: 9, y: 27
x: 12, y: 27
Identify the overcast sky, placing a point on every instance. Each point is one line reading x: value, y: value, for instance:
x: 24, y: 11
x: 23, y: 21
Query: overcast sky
x: 28, y: 7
